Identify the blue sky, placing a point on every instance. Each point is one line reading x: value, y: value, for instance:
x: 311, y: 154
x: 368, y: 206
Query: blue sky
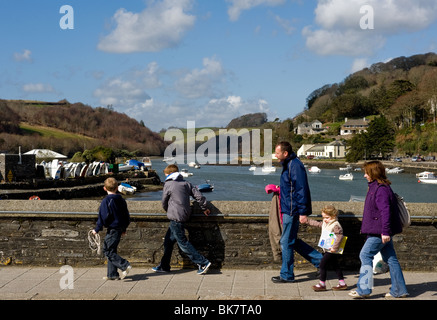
x: 167, y: 62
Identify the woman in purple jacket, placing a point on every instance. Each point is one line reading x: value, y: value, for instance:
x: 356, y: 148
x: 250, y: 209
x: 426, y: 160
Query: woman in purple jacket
x: 380, y: 223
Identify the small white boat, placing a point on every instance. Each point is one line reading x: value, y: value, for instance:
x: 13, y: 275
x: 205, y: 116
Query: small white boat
x: 185, y: 173
x: 125, y: 167
x: 314, y: 169
x: 268, y: 169
x: 126, y: 189
x: 96, y: 170
x: 346, y: 176
x: 428, y: 178
x: 147, y: 162
x: 423, y: 174
x: 347, y: 168
x: 252, y: 168
x: 394, y: 170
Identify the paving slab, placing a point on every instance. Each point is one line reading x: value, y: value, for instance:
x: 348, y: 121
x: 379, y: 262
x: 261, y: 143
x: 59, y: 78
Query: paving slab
x: 39, y: 283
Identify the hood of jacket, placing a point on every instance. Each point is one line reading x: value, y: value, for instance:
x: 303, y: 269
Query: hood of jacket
x: 174, y: 176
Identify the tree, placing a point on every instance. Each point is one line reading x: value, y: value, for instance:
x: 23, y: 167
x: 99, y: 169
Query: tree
x: 357, y: 148
x: 380, y: 137
x: 378, y: 141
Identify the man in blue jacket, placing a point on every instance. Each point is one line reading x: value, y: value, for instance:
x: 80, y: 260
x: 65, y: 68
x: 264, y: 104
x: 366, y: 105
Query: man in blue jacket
x: 295, y: 207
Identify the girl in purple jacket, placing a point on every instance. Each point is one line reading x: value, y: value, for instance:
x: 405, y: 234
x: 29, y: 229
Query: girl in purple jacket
x: 380, y: 223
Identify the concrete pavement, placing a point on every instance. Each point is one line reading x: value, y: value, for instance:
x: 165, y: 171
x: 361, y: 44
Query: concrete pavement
x: 80, y: 283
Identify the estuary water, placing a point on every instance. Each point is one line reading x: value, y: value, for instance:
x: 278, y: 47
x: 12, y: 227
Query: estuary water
x: 237, y: 183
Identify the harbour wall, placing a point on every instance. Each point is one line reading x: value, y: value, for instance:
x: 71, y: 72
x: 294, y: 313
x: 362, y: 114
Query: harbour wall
x: 235, y: 235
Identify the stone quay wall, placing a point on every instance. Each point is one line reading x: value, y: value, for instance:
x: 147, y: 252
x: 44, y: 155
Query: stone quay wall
x: 235, y: 235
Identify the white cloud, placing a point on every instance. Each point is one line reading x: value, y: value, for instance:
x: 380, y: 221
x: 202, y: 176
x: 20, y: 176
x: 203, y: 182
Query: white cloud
x: 219, y: 112
x: 215, y: 113
x: 341, y: 33
x: 161, y: 25
x: 238, y: 6
x: 128, y: 89
x: 38, y: 88
x: 201, y: 82
x: 285, y: 25
x: 25, y: 56
x: 188, y: 96
x: 121, y: 93
x: 342, y: 42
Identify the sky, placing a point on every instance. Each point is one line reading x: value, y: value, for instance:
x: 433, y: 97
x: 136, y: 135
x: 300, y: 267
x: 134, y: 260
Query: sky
x: 167, y: 62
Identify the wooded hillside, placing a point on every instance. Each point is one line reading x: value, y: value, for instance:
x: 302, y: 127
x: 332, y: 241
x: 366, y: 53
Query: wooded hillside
x: 68, y: 128
x: 403, y: 90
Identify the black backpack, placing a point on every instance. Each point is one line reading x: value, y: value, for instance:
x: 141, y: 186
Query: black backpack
x: 404, y: 214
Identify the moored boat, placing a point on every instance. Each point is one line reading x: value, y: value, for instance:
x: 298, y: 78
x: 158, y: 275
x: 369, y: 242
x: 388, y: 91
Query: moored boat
x: 428, y: 178
x: 205, y: 187
x: 346, y: 176
x: 314, y: 169
x: 126, y: 188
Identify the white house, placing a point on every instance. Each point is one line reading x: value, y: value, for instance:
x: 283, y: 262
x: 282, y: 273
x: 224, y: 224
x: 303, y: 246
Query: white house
x: 335, y: 149
x: 314, y: 127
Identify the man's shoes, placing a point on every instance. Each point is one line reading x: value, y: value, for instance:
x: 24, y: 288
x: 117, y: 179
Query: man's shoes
x: 111, y: 278
x: 356, y: 295
x: 159, y: 269
x: 203, y: 269
x: 280, y: 280
x: 125, y: 272
x: 389, y: 296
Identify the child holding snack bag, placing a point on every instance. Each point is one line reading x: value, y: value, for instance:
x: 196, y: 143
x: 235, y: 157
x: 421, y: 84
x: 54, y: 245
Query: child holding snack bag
x: 330, y: 241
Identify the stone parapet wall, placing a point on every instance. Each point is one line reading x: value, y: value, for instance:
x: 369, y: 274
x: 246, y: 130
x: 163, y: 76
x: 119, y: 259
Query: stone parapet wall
x: 53, y: 233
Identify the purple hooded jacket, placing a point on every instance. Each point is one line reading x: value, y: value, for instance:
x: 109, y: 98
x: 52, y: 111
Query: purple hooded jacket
x: 380, y: 214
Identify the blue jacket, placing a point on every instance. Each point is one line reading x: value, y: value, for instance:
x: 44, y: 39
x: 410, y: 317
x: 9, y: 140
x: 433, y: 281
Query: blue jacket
x: 380, y: 215
x: 113, y: 213
x: 295, y: 191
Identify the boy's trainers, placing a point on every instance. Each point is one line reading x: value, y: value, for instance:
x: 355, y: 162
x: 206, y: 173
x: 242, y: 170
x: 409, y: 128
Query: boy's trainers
x: 203, y: 269
x: 125, y: 272
x: 159, y: 269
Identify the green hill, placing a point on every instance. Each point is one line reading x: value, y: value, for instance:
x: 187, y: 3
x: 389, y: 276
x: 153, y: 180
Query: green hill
x: 68, y: 128
x: 404, y: 90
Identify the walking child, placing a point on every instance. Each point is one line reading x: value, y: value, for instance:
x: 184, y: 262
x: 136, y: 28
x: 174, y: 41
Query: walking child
x: 176, y: 202
x: 114, y: 216
x: 329, y: 225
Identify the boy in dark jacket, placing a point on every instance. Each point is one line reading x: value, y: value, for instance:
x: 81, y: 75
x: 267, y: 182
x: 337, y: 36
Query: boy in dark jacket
x: 113, y: 215
x: 176, y: 202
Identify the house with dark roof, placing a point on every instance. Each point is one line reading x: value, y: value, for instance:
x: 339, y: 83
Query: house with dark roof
x: 353, y: 126
x: 313, y: 127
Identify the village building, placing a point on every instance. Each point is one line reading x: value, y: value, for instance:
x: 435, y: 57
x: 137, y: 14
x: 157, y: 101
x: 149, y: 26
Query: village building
x: 333, y: 150
x: 310, y: 128
x: 354, y: 126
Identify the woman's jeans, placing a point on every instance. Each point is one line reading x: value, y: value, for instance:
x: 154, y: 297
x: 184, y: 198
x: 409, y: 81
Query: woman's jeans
x: 112, y: 239
x: 176, y: 233
x: 290, y: 243
x: 365, y: 282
